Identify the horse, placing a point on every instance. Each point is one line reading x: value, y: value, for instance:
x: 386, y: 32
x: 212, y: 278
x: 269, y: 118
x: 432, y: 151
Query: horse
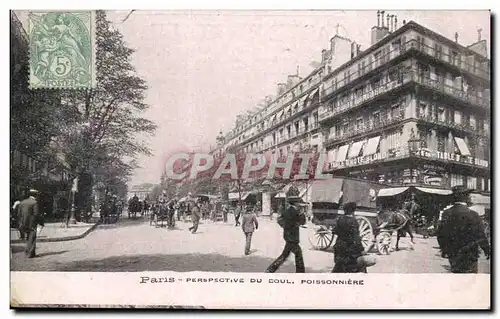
x: 399, y: 221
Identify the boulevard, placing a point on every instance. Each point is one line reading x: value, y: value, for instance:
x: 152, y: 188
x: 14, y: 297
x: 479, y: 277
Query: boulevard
x: 135, y: 246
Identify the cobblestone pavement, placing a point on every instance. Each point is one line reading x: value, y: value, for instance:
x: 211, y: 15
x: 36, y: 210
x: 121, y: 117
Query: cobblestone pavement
x: 134, y: 245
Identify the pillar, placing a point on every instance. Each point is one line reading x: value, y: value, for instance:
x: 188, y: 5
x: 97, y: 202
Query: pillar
x: 266, y: 203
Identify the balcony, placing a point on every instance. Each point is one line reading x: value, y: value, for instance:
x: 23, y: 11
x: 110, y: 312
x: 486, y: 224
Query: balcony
x: 370, y: 127
x: 482, y: 100
x: 330, y: 87
x: 460, y: 127
x: 450, y: 60
x: 326, y: 112
x: 404, y: 152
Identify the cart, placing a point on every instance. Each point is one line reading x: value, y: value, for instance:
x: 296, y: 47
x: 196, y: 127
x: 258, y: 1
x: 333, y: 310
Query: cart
x: 327, y: 200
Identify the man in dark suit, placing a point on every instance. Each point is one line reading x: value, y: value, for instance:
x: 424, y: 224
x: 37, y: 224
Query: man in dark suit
x: 30, y: 219
x: 291, y: 220
x: 461, y: 234
x: 348, y: 247
x: 195, y: 216
x: 249, y: 224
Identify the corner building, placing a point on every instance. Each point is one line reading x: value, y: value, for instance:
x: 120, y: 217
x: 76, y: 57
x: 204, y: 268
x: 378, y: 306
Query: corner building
x: 413, y: 109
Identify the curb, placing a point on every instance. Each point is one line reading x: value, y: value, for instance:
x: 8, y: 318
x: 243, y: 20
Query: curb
x: 57, y: 239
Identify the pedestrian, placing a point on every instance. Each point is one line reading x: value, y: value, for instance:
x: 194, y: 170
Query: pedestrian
x: 461, y: 234
x: 225, y: 210
x: 348, y: 247
x: 16, y: 217
x: 249, y: 224
x: 195, y: 217
x: 237, y: 214
x: 31, y: 217
x: 290, y: 221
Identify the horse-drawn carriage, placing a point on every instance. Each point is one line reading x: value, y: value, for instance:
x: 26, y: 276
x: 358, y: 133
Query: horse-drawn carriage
x: 134, y: 207
x: 328, y: 197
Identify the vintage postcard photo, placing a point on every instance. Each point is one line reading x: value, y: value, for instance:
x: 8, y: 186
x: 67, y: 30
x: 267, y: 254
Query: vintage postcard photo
x: 239, y: 159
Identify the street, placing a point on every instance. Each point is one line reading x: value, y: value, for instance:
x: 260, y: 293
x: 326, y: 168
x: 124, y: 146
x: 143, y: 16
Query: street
x: 134, y: 245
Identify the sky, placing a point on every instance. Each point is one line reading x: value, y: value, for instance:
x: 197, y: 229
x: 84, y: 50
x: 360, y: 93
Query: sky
x: 203, y: 68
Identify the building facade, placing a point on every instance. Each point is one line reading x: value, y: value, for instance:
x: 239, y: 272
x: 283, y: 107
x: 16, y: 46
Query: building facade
x: 32, y: 163
x: 413, y: 109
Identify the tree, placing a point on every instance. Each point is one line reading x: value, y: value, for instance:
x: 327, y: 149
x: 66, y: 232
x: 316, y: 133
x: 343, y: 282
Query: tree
x: 102, y: 123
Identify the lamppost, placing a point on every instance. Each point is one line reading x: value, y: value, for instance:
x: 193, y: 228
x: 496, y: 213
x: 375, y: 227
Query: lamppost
x: 413, y: 146
x: 74, y: 189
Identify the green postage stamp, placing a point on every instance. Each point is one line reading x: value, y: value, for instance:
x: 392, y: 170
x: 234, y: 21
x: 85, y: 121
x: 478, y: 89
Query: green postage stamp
x: 62, y: 49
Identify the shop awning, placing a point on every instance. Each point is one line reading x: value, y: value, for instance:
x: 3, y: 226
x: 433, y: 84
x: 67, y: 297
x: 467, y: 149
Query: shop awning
x: 371, y: 146
x: 462, y: 146
x: 327, y: 191
x: 236, y: 196
x: 294, y: 104
x: 391, y: 191
x: 355, y: 149
x: 341, y: 155
x: 311, y: 95
x: 478, y: 199
x: 434, y: 191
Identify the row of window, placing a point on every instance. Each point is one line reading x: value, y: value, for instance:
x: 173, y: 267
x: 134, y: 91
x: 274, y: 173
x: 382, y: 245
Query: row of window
x: 448, y: 114
x: 377, y: 118
x: 472, y: 182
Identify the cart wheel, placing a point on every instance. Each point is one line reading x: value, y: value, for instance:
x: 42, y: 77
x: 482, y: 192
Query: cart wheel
x: 365, y: 232
x: 384, y: 242
x: 321, y: 238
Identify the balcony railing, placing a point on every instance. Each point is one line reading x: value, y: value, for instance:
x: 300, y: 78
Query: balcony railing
x: 481, y: 71
x: 326, y: 112
x: 366, y: 128
x: 452, y: 60
x: 463, y: 126
x: 473, y: 98
x: 404, y: 152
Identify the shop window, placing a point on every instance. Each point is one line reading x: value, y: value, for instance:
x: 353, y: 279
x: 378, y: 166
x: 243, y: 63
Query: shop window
x: 456, y: 180
x: 471, y: 182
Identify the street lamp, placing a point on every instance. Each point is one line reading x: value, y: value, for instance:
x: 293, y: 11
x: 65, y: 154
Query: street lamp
x: 72, y: 220
x: 413, y: 143
x: 413, y: 146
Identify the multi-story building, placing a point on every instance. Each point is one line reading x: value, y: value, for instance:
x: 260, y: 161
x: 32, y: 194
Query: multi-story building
x: 413, y: 109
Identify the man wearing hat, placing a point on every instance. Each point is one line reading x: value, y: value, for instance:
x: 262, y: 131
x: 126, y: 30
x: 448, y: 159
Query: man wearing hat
x: 249, y: 224
x: 461, y: 234
x: 291, y: 220
x: 30, y: 219
x: 348, y: 247
x: 195, y: 216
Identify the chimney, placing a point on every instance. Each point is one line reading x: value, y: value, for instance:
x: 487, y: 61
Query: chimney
x: 380, y: 31
x: 404, y: 22
x: 281, y: 88
x: 395, y: 22
x: 456, y: 37
x: 388, y: 19
x: 392, y: 22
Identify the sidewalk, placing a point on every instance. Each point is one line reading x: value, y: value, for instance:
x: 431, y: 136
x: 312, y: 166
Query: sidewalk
x: 53, y: 232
